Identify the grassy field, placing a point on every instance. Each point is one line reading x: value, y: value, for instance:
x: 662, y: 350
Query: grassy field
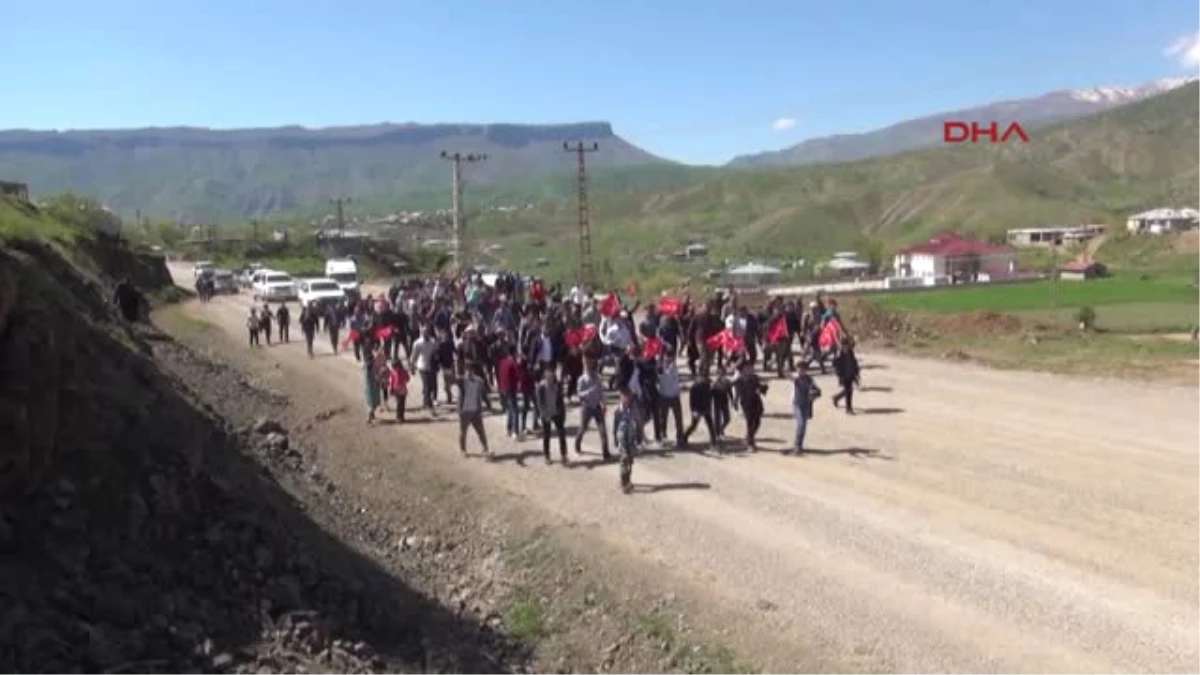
x: 1048, y: 295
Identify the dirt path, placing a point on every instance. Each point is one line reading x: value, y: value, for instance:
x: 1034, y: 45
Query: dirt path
x: 966, y: 520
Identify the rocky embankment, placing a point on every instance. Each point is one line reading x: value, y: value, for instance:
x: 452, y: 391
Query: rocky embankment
x: 142, y: 531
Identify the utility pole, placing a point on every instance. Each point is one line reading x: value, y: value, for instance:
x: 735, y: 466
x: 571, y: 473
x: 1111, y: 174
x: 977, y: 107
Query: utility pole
x: 254, y: 228
x: 585, y: 228
x: 456, y: 159
x: 340, y: 203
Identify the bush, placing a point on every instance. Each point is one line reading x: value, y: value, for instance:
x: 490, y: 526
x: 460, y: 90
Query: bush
x: 1086, y: 316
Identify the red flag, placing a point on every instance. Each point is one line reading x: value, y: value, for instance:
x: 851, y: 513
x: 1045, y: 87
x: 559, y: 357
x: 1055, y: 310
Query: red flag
x: 651, y: 347
x: 669, y: 306
x: 383, y: 333
x: 610, y: 306
x: 350, y: 338
x: 726, y: 340
x: 830, y: 334
x: 580, y: 336
x: 716, y: 341
x: 778, y: 330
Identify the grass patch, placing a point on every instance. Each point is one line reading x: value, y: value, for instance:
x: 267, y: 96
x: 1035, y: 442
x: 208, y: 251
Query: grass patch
x: 1126, y: 318
x: 524, y: 619
x: 1042, y: 295
x: 686, y: 657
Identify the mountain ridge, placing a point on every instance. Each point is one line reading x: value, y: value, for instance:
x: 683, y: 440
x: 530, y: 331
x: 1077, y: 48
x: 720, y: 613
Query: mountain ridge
x: 926, y: 131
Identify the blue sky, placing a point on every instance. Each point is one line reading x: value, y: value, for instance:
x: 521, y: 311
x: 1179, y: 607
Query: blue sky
x: 696, y: 81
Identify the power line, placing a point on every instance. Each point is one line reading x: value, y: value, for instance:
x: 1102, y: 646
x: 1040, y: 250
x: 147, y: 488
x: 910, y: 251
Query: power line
x: 456, y: 160
x: 585, y: 227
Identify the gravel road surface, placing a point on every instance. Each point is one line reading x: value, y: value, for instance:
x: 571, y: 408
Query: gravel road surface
x: 966, y: 520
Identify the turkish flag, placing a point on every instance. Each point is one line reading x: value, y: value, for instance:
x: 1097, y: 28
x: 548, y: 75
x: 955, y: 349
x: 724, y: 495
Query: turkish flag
x: 651, y: 347
x: 610, y: 306
x: 830, y: 334
x: 669, y: 306
x: 725, y: 340
x: 580, y: 336
x: 384, y: 333
x: 351, y: 338
x: 778, y: 330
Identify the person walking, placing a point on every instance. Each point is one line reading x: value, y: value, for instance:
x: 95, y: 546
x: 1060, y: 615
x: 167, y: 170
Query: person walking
x: 700, y: 403
x: 669, y: 391
x: 424, y: 361
x: 749, y: 390
x: 370, y: 385
x: 264, y: 319
x: 283, y: 316
x: 528, y: 389
x: 553, y: 411
x: 845, y: 365
x: 333, y: 324
x: 508, y: 383
x: 398, y: 384
x: 804, y: 392
x: 625, y: 432
x: 308, y: 326
x: 591, y: 407
x: 471, y: 399
x: 253, y: 324
x: 722, y: 398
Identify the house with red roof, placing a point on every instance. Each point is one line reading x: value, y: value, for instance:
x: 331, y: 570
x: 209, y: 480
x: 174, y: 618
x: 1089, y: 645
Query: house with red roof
x: 952, y: 255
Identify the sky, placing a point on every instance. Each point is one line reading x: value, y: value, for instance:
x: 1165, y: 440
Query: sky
x: 697, y: 81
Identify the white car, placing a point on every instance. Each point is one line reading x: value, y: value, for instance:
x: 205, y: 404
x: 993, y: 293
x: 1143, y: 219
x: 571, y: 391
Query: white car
x: 272, y: 285
x: 202, y: 266
x: 320, y: 291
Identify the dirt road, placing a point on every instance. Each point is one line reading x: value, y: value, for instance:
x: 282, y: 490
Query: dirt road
x: 965, y: 520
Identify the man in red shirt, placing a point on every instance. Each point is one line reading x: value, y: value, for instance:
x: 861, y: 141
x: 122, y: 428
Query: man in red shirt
x: 508, y: 382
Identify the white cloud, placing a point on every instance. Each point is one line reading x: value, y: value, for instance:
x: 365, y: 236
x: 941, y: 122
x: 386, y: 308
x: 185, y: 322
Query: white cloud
x: 783, y: 124
x: 1186, y: 50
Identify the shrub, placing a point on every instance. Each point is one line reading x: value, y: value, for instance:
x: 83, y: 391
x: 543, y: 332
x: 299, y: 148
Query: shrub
x: 1086, y: 316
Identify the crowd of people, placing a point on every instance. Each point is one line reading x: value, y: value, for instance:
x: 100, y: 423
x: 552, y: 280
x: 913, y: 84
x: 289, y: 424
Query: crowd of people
x: 529, y: 350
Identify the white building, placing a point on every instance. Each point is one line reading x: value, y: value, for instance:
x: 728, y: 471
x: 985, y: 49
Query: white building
x: 1162, y: 221
x: 949, y: 255
x: 753, y: 274
x: 1048, y: 236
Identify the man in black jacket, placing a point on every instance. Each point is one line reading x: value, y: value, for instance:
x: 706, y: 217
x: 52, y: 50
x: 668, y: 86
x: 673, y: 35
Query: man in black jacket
x: 283, y: 316
x: 308, y: 326
x: 700, y: 402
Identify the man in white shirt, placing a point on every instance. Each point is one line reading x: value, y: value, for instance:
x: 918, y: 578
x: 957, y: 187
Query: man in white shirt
x: 424, y: 361
x: 669, y: 390
x: 579, y: 295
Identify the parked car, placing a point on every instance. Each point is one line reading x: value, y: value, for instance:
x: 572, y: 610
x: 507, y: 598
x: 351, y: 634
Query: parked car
x: 321, y: 291
x: 272, y: 285
x: 224, y: 282
x: 201, y: 267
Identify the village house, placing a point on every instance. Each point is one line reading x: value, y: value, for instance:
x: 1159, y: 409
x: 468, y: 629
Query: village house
x: 14, y: 189
x: 753, y: 274
x: 1163, y: 221
x: 953, y: 255
x: 1054, y: 235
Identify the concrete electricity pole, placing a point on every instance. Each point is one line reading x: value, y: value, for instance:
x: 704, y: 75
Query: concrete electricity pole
x: 456, y: 159
x: 585, y: 227
x: 340, y: 203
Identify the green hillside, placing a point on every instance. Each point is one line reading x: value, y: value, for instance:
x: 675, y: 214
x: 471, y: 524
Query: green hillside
x: 205, y: 175
x: 1097, y: 169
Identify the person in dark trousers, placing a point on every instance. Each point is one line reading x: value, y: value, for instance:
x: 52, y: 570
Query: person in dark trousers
x: 283, y: 316
x: 508, y: 382
x: 625, y: 432
x: 424, y: 362
x: 722, y: 398
x: 471, y: 402
x: 647, y: 374
x: 398, y: 384
x: 845, y: 365
x: 528, y: 389
x: 700, y: 403
x: 253, y: 324
x: 553, y: 410
x: 669, y: 394
x: 264, y: 318
x: 308, y: 326
x: 749, y: 390
x: 591, y: 407
x: 446, y: 352
x: 804, y: 392
x: 370, y: 383
x: 333, y: 324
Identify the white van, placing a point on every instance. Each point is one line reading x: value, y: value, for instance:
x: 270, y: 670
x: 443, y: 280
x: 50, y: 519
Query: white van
x: 345, y: 272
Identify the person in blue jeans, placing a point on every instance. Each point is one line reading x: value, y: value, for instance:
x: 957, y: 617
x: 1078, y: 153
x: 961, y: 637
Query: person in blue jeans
x: 804, y: 392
